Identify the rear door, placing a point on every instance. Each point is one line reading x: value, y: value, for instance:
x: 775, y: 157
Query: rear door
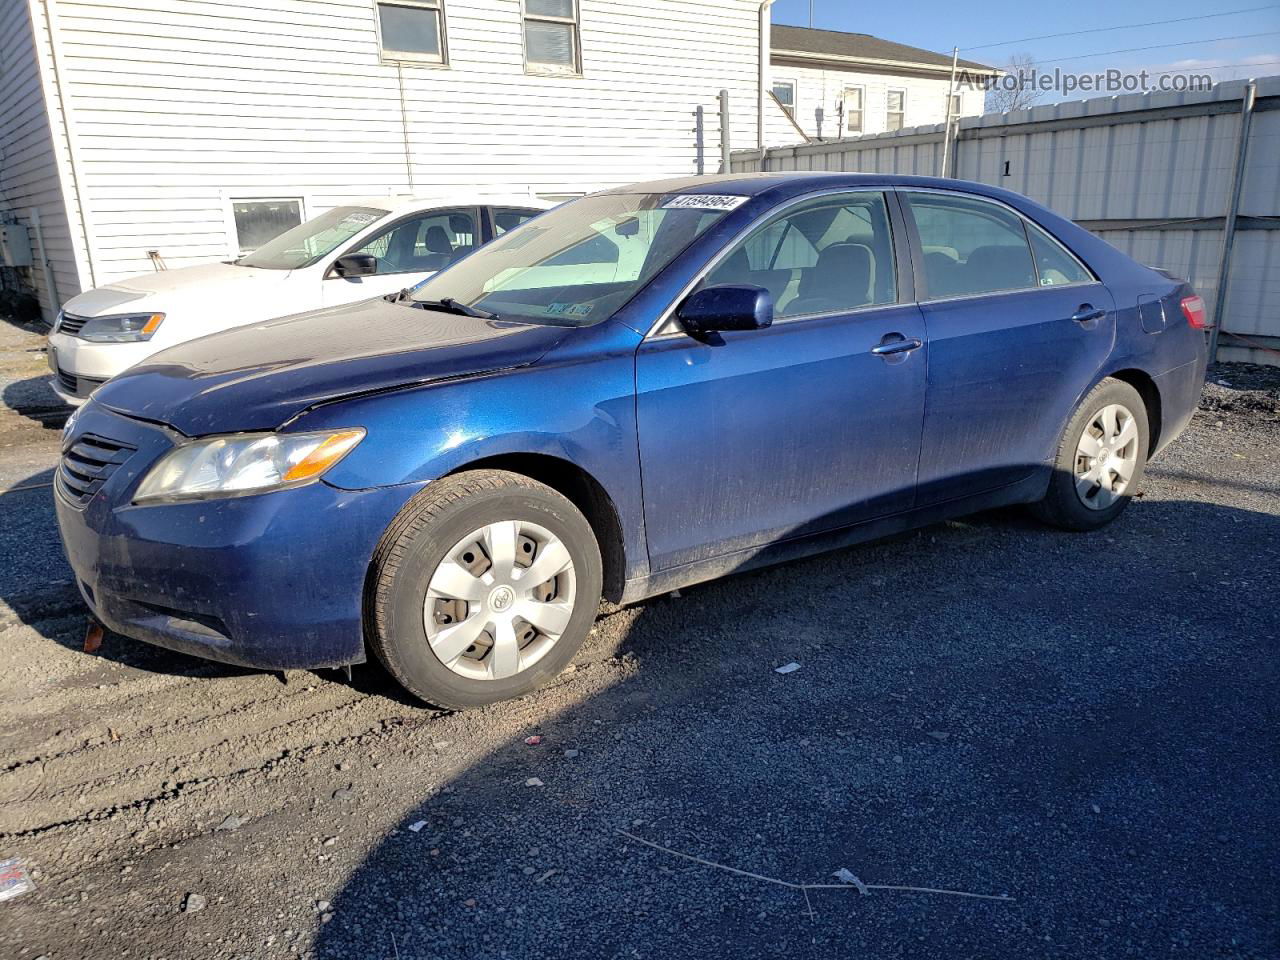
x: 502, y: 219
x: 1017, y: 329
x: 751, y: 437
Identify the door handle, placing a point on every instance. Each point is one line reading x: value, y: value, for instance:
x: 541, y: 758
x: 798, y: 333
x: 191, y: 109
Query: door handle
x: 893, y: 343
x: 1088, y: 312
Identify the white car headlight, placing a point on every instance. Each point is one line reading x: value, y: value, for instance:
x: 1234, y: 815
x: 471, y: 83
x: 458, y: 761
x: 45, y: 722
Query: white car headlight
x: 125, y: 328
x: 245, y: 463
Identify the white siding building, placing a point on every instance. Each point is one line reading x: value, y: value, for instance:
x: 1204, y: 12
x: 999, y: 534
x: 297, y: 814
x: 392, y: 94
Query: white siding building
x: 847, y: 84
x: 142, y: 134
x: 139, y: 126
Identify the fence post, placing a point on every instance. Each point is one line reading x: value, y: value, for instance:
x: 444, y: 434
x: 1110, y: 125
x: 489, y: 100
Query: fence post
x: 725, y: 146
x: 1229, y: 225
x: 698, y: 139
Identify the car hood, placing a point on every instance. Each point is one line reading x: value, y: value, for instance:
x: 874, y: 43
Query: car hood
x: 258, y: 378
x: 165, y: 289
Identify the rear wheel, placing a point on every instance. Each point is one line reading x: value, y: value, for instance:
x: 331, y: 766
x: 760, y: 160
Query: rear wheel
x: 484, y: 589
x: 1101, y: 459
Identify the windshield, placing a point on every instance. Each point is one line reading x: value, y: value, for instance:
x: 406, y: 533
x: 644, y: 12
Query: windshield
x: 579, y: 263
x: 308, y: 242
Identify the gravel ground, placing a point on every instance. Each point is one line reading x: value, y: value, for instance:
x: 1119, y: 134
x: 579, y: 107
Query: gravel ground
x: 1083, y: 724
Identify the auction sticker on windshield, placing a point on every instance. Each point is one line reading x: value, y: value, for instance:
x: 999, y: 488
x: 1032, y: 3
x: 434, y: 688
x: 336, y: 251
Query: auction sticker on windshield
x: 703, y: 201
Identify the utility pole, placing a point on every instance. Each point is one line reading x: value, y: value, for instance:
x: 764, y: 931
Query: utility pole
x: 946, y: 130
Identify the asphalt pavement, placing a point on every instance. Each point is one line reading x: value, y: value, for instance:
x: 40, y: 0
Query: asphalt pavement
x: 1080, y: 728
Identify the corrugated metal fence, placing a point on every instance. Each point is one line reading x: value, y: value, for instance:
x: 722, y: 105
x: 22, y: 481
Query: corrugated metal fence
x: 1150, y: 173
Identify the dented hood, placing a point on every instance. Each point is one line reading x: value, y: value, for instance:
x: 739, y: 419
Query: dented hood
x: 257, y: 378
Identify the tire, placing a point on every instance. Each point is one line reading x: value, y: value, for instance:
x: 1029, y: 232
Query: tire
x: 1087, y: 500
x: 419, y: 578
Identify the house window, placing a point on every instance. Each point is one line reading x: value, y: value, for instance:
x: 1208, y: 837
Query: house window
x: 412, y: 30
x: 258, y: 221
x: 853, y: 109
x: 551, y: 36
x: 895, y: 109
x: 785, y: 91
x: 955, y: 105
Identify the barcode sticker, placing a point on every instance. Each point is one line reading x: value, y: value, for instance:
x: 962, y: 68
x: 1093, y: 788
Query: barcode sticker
x: 704, y: 201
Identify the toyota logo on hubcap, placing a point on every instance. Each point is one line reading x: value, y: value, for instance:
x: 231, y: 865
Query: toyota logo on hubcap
x: 501, y: 598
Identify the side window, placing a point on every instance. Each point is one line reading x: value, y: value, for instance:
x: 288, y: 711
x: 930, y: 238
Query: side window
x: 424, y: 243
x: 1054, y: 265
x: 970, y: 246
x: 508, y: 218
x: 830, y: 254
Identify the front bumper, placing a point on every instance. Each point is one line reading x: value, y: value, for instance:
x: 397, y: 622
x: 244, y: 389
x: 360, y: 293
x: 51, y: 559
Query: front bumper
x: 80, y: 367
x: 273, y: 581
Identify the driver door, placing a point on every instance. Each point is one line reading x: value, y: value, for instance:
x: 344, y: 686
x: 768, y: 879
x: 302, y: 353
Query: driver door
x: 408, y: 251
x: 814, y: 423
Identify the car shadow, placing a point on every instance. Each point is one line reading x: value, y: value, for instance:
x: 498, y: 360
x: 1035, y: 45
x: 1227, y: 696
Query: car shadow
x: 1076, y: 721
x: 34, y: 399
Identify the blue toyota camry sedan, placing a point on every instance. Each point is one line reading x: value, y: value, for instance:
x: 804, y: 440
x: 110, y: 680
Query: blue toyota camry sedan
x: 639, y: 390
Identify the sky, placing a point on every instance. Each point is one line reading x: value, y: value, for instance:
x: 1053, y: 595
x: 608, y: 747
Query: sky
x: 975, y: 27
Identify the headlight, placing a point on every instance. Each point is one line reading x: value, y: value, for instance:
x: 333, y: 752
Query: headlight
x: 126, y: 328
x: 245, y: 463
x: 57, y: 322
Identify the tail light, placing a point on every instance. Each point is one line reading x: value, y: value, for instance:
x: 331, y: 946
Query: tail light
x: 1193, y: 310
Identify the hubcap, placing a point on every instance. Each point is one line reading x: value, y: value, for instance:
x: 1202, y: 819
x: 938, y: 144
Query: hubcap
x: 1106, y: 456
x: 499, y: 600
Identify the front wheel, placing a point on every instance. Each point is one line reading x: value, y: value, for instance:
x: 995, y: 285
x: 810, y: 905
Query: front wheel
x: 483, y: 589
x: 1101, y: 459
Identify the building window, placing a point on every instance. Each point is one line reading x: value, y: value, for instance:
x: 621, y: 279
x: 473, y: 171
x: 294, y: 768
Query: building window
x: 258, y: 221
x: 895, y: 110
x: 853, y: 109
x: 785, y: 91
x: 412, y: 30
x: 551, y: 36
x: 955, y: 105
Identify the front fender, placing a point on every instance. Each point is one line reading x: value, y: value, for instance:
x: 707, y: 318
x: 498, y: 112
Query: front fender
x: 576, y: 404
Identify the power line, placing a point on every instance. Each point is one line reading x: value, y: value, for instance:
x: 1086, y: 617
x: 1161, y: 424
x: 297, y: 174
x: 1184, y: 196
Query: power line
x: 1158, y: 46
x: 1126, y: 26
x: 1217, y: 66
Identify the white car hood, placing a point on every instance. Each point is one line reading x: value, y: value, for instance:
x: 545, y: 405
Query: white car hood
x: 171, y: 290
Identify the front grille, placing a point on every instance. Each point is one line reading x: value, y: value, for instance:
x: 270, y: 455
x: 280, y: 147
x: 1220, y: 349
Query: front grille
x: 71, y: 325
x: 79, y: 387
x: 87, y: 466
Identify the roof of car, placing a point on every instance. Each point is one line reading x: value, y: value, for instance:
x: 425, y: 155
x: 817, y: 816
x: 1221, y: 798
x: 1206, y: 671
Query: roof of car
x: 752, y: 184
x: 403, y: 202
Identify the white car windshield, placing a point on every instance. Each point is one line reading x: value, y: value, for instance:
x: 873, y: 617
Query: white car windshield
x: 306, y: 243
x: 577, y: 264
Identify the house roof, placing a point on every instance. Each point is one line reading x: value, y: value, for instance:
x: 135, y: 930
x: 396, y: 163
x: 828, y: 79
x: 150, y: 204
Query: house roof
x: 822, y: 44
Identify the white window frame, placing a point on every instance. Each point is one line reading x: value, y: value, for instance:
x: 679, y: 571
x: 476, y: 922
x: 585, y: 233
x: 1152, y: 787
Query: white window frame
x: 955, y: 101
x: 549, y: 69
x: 388, y: 55
x: 889, y: 91
x: 862, y: 108
x: 230, y: 199
x: 789, y: 108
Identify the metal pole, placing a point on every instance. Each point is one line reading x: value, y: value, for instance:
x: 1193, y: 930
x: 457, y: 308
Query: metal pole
x: 1229, y: 227
x: 698, y: 139
x: 724, y: 131
x: 946, y: 129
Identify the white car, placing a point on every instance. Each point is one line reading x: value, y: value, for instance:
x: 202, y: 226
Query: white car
x: 353, y: 252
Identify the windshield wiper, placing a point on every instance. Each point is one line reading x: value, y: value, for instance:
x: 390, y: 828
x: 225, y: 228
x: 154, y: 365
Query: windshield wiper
x: 404, y: 294
x: 450, y: 305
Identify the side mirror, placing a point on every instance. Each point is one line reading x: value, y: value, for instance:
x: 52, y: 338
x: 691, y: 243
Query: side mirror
x: 354, y: 265
x: 726, y: 308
